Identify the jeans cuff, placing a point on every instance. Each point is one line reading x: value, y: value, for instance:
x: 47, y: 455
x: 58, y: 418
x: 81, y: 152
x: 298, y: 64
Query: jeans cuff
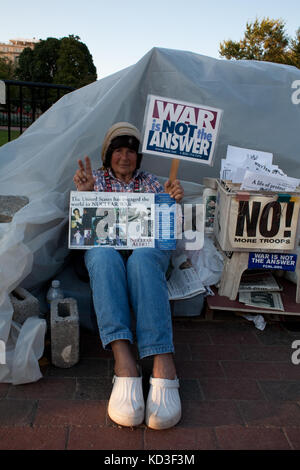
x: 109, y: 339
x: 154, y: 350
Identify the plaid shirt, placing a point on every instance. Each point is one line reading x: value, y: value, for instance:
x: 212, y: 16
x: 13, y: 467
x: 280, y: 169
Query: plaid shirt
x: 146, y: 182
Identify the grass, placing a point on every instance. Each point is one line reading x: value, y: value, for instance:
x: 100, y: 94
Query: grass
x: 4, y: 136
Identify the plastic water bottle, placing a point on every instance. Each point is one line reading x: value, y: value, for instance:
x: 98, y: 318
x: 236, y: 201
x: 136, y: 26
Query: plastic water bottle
x: 55, y: 292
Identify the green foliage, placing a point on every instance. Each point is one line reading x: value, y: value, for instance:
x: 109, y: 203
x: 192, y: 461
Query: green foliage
x: 25, y: 67
x: 7, y: 69
x: 295, y: 49
x: 42, y: 62
x: 4, y: 136
x: 64, y: 61
x: 75, y: 65
x: 264, y: 40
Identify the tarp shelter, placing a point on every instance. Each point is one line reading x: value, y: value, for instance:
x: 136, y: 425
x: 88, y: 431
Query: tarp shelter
x: 258, y: 113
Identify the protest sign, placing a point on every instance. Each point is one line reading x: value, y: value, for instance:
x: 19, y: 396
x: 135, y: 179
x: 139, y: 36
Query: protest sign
x: 236, y: 155
x: 263, y: 222
x: 261, y: 182
x: 180, y: 130
x: 252, y: 221
x: 122, y: 220
x: 284, y: 261
x: 254, y: 170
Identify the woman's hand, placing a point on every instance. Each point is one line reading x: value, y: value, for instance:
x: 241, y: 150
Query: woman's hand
x: 83, y: 177
x: 174, y: 189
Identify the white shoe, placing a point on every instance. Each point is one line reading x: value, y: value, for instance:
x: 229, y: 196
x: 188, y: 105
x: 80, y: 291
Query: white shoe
x: 163, y: 408
x: 126, y: 404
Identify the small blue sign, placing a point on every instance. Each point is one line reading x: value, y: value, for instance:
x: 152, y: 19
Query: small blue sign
x: 165, y: 213
x: 284, y: 261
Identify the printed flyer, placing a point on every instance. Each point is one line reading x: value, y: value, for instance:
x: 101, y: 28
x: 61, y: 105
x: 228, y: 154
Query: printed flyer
x: 180, y: 130
x: 122, y: 220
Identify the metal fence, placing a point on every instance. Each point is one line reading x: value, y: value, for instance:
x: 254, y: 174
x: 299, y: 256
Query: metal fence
x: 26, y: 101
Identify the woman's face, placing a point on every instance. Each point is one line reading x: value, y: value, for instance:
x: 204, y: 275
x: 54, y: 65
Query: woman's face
x: 123, y: 162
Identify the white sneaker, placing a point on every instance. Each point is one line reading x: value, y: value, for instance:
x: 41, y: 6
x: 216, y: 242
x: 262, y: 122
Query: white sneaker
x: 126, y: 404
x: 163, y: 408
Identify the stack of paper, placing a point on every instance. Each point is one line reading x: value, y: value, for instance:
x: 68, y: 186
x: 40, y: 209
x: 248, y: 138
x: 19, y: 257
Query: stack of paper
x: 260, y: 290
x: 259, y: 281
x: 254, y: 170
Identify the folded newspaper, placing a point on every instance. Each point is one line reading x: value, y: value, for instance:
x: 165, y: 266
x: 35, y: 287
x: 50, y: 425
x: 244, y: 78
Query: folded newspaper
x: 260, y: 290
x: 193, y: 271
x: 184, y: 282
x: 264, y: 281
x: 269, y: 300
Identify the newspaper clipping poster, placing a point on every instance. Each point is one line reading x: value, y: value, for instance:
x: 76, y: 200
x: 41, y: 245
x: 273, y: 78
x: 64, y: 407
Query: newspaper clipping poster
x: 264, y: 223
x: 180, y: 130
x: 122, y: 220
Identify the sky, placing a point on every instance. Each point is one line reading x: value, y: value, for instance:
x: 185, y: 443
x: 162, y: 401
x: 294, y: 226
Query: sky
x: 119, y: 33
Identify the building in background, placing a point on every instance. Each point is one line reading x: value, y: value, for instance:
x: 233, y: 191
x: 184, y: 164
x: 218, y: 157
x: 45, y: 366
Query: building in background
x: 14, y: 47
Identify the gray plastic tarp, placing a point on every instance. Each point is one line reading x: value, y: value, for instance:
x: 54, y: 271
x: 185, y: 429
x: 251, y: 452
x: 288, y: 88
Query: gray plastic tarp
x: 258, y: 113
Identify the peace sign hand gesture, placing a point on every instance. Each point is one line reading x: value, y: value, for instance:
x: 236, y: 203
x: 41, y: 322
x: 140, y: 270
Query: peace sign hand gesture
x: 83, y: 177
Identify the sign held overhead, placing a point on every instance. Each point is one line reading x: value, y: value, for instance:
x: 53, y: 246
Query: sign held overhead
x: 180, y: 130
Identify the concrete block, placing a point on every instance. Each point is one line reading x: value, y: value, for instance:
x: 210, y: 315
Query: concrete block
x: 25, y: 305
x: 64, y: 327
x: 9, y: 205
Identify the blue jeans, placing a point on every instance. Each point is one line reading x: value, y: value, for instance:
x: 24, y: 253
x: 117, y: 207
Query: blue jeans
x: 140, y: 283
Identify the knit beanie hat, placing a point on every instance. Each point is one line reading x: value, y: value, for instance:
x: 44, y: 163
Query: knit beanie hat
x: 130, y: 137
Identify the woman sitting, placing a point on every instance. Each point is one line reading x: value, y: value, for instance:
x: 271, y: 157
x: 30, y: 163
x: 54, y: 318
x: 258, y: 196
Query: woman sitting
x: 124, y: 279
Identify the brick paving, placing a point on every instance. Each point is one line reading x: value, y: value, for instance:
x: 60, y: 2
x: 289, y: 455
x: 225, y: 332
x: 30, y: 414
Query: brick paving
x: 239, y: 390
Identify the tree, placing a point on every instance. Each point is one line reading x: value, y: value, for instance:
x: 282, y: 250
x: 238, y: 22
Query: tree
x: 265, y: 40
x: 75, y: 65
x: 45, y: 56
x: 64, y: 61
x: 25, y: 65
x: 39, y: 64
x: 295, y: 49
x: 7, y: 70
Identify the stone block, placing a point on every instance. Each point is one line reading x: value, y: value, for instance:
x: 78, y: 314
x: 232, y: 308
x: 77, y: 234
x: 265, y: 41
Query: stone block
x: 64, y: 327
x: 9, y: 205
x: 25, y: 305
